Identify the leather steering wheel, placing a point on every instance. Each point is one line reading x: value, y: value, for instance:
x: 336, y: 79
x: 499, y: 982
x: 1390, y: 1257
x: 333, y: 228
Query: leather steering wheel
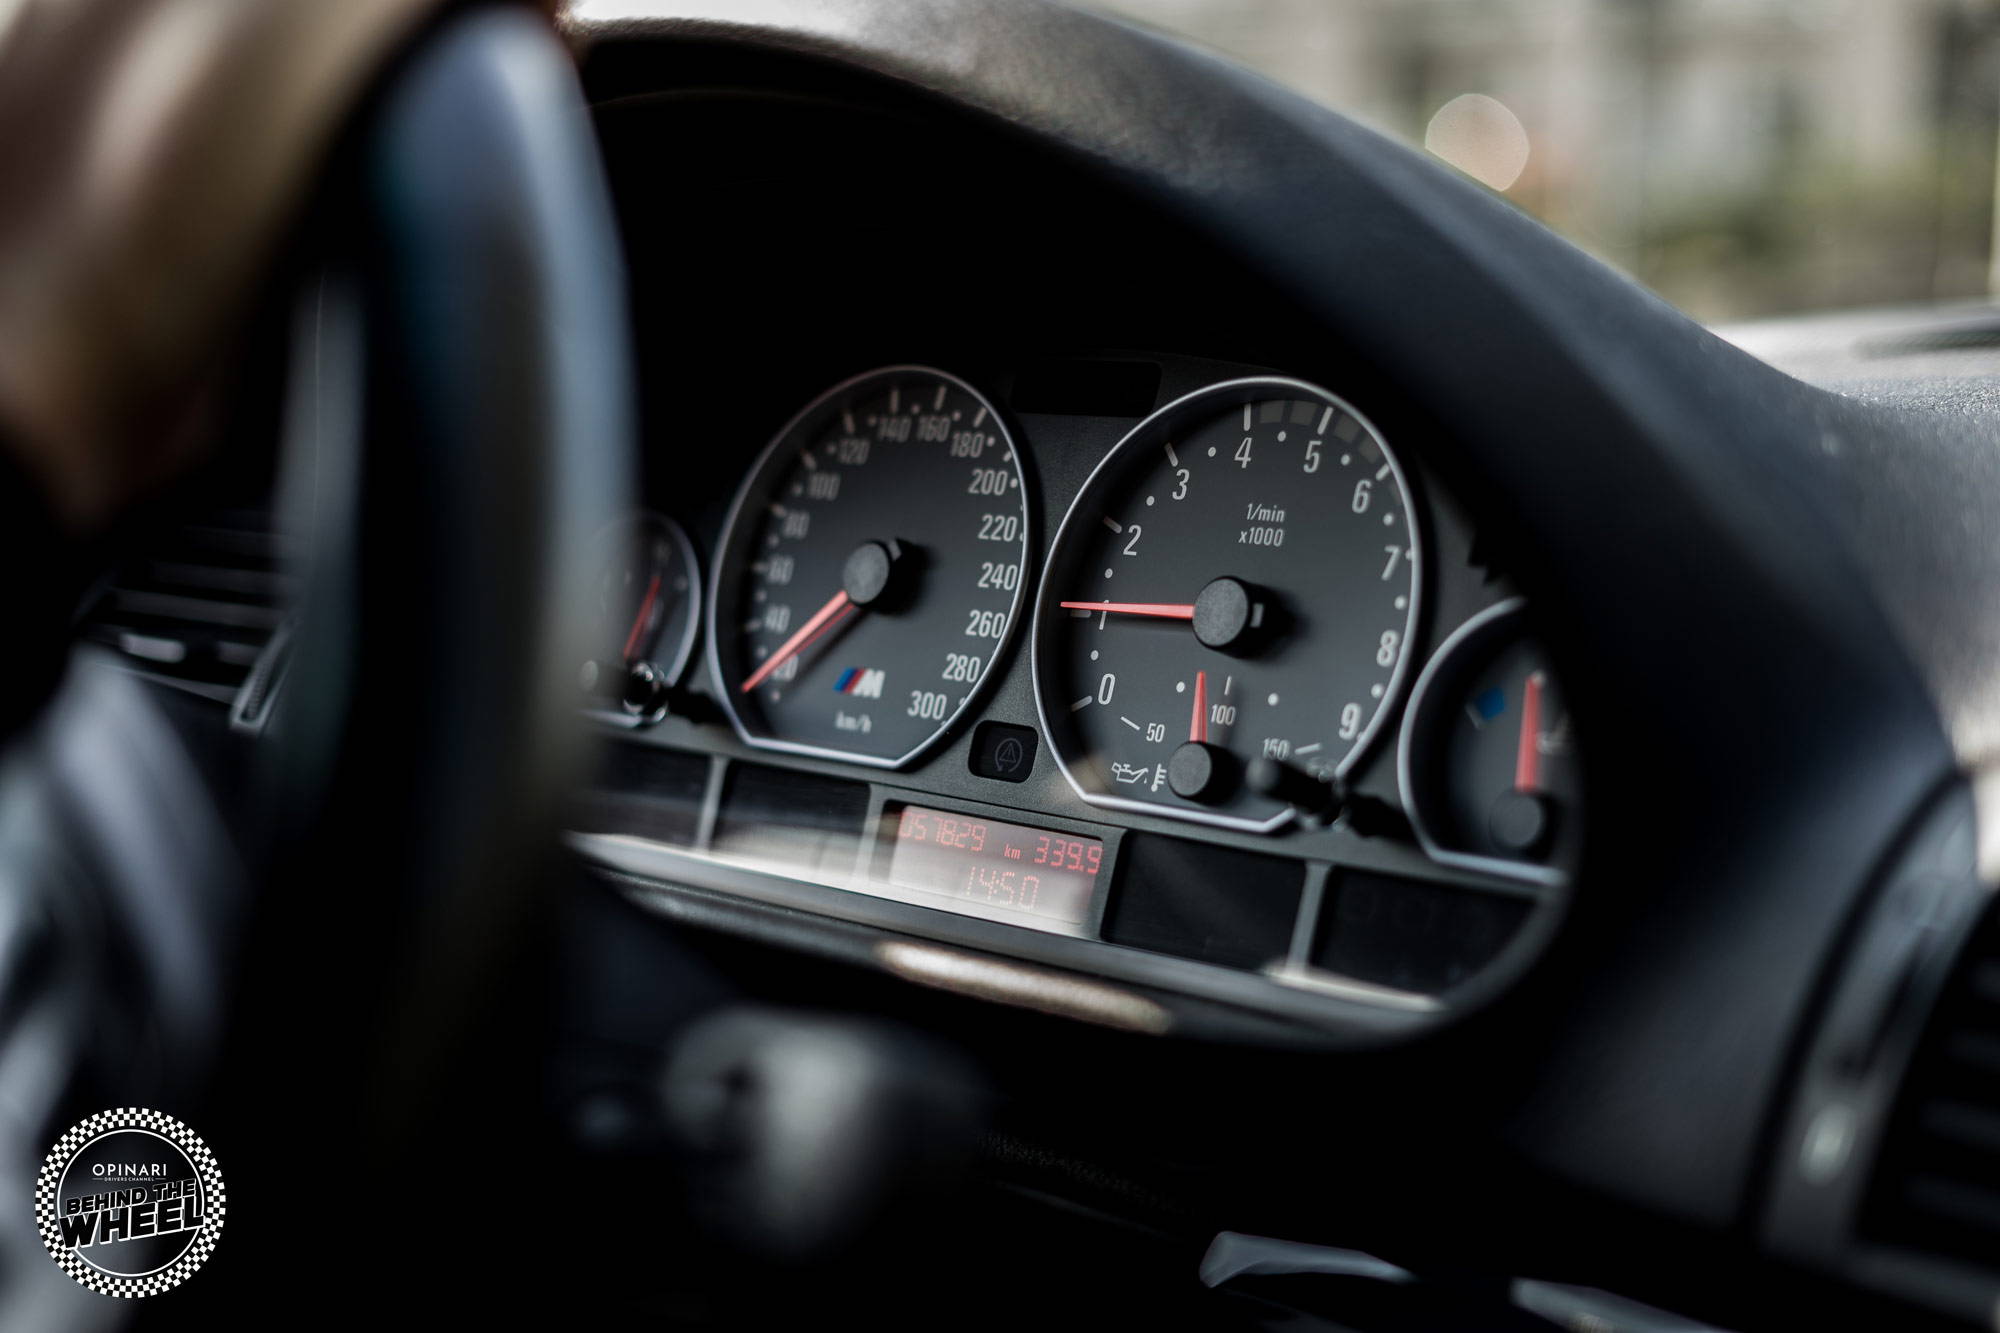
x: 437, y: 242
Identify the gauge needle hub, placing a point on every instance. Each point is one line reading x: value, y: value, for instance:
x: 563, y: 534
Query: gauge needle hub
x: 1528, y: 751
x: 1198, y: 726
x: 837, y: 607
x: 1157, y: 610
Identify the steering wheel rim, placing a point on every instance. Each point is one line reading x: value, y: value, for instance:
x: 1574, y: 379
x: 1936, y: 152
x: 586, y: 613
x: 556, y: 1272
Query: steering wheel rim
x: 460, y: 425
x: 466, y: 410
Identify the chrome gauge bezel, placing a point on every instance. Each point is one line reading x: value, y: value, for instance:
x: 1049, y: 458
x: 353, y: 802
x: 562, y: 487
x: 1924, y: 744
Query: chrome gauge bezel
x: 1211, y: 398
x: 1499, y: 623
x: 753, y: 484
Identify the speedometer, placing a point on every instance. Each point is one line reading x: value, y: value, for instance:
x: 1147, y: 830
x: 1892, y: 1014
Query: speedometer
x: 871, y: 571
x: 1237, y: 580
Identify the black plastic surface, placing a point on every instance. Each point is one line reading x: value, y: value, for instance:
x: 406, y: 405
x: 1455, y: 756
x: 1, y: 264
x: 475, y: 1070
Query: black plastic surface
x: 1202, y: 902
x: 647, y: 793
x: 794, y: 819
x: 1410, y: 935
x: 1087, y: 387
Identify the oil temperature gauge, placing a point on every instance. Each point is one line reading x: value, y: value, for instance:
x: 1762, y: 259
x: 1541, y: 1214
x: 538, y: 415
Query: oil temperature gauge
x: 1487, y: 762
x: 648, y: 602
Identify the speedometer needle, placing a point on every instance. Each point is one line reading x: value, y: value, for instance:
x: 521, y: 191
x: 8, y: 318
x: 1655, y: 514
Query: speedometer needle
x: 1528, y: 751
x: 1159, y: 610
x: 823, y: 619
x: 1198, y: 726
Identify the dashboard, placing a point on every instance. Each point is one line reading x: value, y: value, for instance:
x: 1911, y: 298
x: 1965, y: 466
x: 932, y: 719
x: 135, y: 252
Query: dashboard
x: 1567, y: 756
x: 1233, y: 681
x: 1333, y: 700
x: 1161, y: 669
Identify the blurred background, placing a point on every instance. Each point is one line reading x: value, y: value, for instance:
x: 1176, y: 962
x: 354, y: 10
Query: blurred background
x: 1742, y: 157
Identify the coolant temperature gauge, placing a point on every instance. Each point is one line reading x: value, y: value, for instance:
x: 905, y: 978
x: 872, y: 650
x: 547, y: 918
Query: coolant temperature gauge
x: 648, y: 604
x: 1487, y: 760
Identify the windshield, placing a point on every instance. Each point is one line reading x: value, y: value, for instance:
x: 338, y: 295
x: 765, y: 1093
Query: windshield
x: 1742, y: 157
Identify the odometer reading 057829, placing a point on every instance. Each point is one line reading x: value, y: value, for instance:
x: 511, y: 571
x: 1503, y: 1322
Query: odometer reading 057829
x: 1237, y: 580
x: 872, y: 570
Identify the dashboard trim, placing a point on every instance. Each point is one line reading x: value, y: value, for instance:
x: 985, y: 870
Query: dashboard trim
x: 1002, y: 981
x: 1301, y: 999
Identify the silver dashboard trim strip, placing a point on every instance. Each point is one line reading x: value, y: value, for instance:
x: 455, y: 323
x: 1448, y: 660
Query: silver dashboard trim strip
x: 1023, y: 987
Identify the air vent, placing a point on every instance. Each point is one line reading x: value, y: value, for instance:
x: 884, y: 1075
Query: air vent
x: 198, y: 609
x: 1938, y: 1186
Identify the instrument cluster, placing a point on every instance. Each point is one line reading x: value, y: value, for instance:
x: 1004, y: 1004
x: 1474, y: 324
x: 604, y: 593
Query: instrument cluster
x: 1300, y: 732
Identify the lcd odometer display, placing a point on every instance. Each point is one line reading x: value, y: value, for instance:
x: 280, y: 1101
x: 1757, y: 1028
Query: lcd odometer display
x: 872, y: 570
x: 990, y: 868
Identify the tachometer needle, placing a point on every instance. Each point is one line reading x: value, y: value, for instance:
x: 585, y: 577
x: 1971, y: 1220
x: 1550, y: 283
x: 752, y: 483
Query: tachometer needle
x: 1158, y: 610
x: 645, y: 615
x: 1198, y: 726
x: 822, y: 620
x: 1528, y: 751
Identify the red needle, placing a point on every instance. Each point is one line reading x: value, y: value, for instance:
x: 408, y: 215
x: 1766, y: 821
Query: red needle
x: 1162, y: 610
x: 645, y: 614
x: 836, y: 607
x: 1528, y: 754
x: 1198, y: 728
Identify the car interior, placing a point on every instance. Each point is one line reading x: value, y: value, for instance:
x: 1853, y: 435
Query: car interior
x: 954, y: 663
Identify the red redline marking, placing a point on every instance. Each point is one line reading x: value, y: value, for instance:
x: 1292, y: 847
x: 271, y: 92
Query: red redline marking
x: 645, y: 614
x: 822, y: 620
x: 1198, y: 728
x: 1527, y: 753
x: 1158, y: 610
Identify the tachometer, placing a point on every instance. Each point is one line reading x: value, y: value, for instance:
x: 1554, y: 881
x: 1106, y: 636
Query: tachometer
x: 1237, y: 580
x: 872, y: 570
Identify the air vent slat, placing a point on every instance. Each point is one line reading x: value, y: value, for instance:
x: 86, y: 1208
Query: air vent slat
x: 249, y: 581
x: 1975, y: 1050
x: 199, y: 609
x: 1984, y: 981
x: 1968, y: 1126
x: 1956, y: 1202
x: 111, y: 629
x: 249, y: 542
x: 147, y: 647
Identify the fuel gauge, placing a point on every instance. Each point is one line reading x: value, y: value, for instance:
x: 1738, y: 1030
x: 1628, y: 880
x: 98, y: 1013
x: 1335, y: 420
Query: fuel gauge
x: 1487, y: 760
x: 648, y: 604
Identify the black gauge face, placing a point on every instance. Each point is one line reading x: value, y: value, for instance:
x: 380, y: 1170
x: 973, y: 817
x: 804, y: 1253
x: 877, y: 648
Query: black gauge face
x: 1238, y: 579
x: 1488, y: 761
x: 648, y: 602
x: 872, y: 570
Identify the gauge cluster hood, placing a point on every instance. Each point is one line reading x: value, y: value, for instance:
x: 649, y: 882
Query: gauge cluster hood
x: 1764, y: 730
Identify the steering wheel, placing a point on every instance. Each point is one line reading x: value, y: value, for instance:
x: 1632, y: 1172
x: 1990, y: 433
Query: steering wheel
x: 456, y: 415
